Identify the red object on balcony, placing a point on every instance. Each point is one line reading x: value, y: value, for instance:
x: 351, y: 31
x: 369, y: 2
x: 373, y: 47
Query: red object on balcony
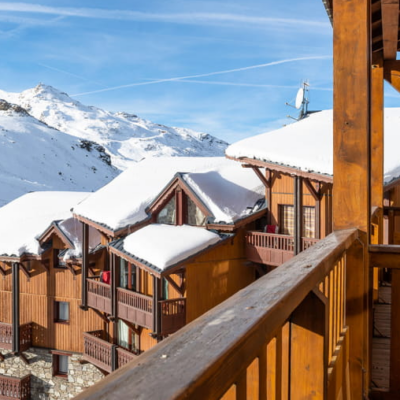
x: 272, y: 229
x: 106, y: 277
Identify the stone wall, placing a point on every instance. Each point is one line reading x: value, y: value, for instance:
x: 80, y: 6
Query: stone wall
x: 44, y: 385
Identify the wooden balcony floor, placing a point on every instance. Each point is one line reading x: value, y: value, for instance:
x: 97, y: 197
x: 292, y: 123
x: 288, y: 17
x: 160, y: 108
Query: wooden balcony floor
x: 381, y: 340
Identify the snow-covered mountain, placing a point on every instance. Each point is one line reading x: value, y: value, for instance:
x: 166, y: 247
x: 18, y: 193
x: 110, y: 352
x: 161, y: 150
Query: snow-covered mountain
x: 125, y: 137
x: 36, y: 157
x: 49, y: 141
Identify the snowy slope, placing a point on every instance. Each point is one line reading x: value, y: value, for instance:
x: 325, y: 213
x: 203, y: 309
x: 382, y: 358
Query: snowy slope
x: 35, y: 157
x: 126, y: 137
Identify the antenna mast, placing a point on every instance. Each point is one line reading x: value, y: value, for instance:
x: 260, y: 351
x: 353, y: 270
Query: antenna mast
x: 301, y: 102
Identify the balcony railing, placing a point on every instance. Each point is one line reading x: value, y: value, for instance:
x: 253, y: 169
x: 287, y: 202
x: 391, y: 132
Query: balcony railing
x: 99, y: 295
x: 173, y: 315
x: 283, y: 336
x: 103, y: 354
x: 135, y: 307
x: 6, y: 336
x: 273, y: 249
x: 15, y: 388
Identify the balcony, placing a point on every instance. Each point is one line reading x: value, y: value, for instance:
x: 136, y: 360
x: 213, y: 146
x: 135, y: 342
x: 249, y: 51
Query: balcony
x: 135, y: 307
x: 6, y: 336
x: 272, y: 249
x: 99, y: 295
x: 292, y: 333
x: 15, y: 388
x: 103, y: 354
x: 173, y: 315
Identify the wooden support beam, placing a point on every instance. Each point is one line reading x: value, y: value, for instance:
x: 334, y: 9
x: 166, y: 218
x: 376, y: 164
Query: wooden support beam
x: 390, y: 28
x: 266, y: 182
x: 314, y: 193
x: 46, y: 265
x: 71, y: 268
x: 85, y: 264
x: 2, y: 272
x: 391, y: 70
x: 100, y: 314
x: 394, y: 381
x: 298, y: 213
x: 25, y: 271
x: 137, y: 331
x: 114, y: 284
x: 175, y: 285
x: 156, y: 306
x: 15, y: 309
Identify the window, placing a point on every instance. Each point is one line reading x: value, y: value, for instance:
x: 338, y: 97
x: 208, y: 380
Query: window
x: 167, y: 214
x: 60, y: 365
x: 194, y: 215
x: 286, y: 219
x: 308, y: 222
x: 57, y: 263
x: 61, y: 311
x: 165, y: 289
x: 127, y: 277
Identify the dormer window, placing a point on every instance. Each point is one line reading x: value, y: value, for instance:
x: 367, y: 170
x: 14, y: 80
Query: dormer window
x: 168, y: 213
x: 181, y: 209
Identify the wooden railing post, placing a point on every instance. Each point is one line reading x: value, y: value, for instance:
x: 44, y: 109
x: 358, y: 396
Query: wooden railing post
x: 114, y: 285
x: 15, y: 309
x: 298, y: 213
x: 307, y: 350
x: 114, y: 357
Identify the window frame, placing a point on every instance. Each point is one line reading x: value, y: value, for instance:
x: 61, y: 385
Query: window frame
x: 57, y: 312
x: 56, y: 364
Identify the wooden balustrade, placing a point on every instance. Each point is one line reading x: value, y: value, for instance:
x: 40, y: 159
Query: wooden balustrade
x: 284, y: 336
x: 15, y: 388
x: 99, y: 295
x: 124, y: 356
x: 307, y: 243
x: 269, y: 248
x: 135, y: 307
x: 6, y: 336
x: 98, y: 351
x: 173, y: 315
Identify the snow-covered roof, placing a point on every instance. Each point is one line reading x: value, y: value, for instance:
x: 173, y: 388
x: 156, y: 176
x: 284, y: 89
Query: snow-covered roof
x: 162, y: 246
x: 307, y: 145
x: 224, y: 187
x: 23, y: 220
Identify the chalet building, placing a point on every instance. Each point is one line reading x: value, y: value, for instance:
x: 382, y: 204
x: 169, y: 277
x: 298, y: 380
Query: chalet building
x: 298, y: 181
x: 175, y: 250
x: 307, y: 329
x: 40, y: 314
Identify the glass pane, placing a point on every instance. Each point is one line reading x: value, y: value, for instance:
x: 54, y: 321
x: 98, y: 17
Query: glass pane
x: 167, y: 214
x: 286, y: 220
x: 165, y: 289
x: 308, y: 222
x: 133, y: 277
x: 63, y: 311
x: 195, y: 216
x: 123, y: 273
x: 63, y: 364
x: 123, y: 334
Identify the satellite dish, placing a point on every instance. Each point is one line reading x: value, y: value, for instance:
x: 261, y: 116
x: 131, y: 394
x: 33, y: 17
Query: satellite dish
x: 299, y: 98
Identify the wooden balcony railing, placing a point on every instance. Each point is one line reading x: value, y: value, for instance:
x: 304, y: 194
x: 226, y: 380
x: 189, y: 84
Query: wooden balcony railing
x: 99, y: 295
x: 15, y: 388
x: 98, y: 351
x: 124, y: 356
x: 284, y: 336
x: 6, y: 336
x: 269, y: 248
x: 173, y: 315
x: 307, y: 242
x: 135, y: 307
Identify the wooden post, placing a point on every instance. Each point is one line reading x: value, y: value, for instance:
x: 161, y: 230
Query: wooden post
x: 307, y: 350
x: 85, y: 264
x: 318, y: 212
x: 156, y: 306
x: 298, y: 213
x: 351, y: 170
x: 115, y: 267
x: 268, y: 195
x: 394, y: 335
x: 15, y: 309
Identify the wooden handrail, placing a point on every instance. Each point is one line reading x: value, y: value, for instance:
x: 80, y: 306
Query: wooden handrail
x: 99, y: 288
x: 270, y: 240
x: 210, y: 354
x: 136, y: 300
x: 15, y: 388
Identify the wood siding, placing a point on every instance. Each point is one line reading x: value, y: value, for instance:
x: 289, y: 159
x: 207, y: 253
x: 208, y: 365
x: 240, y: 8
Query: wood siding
x: 215, y: 276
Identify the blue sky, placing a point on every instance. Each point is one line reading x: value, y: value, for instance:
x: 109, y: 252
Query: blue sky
x: 177, y: 62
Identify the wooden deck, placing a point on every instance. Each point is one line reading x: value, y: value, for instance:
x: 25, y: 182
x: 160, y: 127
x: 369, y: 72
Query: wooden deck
x: 381, y: 341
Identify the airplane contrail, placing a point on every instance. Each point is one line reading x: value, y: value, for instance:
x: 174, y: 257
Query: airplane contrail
x: 204, y: 75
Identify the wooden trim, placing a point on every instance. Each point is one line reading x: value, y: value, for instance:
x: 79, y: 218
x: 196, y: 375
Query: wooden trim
x: 15, y: 309
x: 85, y: 265
x: 238, y: 224
x: 55, y: 229
x: 96, y: 225
x: 390, y: 28
x: 284, y: 169
x: 179, y: 289
x: 265, y: 181
x: 25, y: 271
x: 316, y: 194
